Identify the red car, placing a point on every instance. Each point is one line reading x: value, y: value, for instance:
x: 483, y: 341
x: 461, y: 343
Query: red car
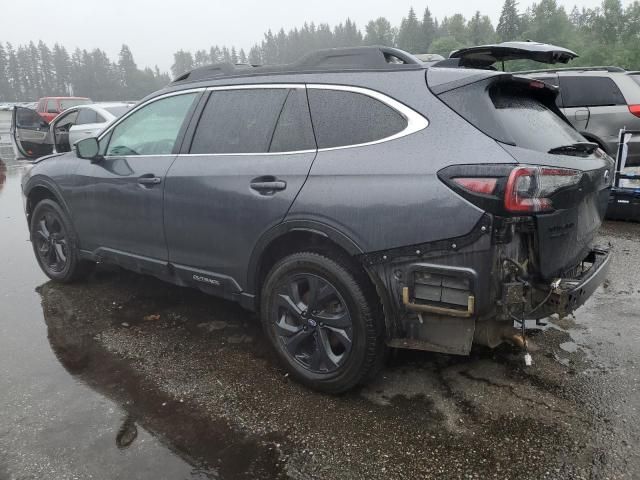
x: 50, y: 107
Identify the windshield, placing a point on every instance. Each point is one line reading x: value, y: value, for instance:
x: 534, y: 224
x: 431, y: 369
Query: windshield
x: 118, y: 111
x: 532, y: 125
x: 72, y: 102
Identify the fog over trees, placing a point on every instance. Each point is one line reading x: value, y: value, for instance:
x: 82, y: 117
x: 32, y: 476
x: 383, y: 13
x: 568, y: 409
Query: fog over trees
x: 606, y: 35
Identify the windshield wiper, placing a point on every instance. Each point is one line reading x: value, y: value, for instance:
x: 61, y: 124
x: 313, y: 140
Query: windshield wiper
x: 575, y: 148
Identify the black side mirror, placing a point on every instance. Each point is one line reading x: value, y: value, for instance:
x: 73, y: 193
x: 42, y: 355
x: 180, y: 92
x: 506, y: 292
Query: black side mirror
x: 89, y: 149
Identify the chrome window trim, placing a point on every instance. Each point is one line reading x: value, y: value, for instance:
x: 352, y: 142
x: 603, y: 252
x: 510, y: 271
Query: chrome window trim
x: 415, y: 121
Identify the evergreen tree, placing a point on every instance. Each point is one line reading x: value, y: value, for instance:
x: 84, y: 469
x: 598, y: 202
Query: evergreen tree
x: 410, y: 34
x: 428, y: 30
x: 379, y: 32
x: 508, y: 28
x: 480, y: 30
x: 5, y: 88
x: 62, y: 69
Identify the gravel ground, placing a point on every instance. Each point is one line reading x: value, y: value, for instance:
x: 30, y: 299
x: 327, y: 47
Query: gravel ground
x: 127, y: 377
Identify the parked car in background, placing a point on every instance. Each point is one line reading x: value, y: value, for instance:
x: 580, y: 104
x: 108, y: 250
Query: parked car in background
x: 358, y: 199
x: 599, y: 102
x: 50, y: 107
x: 37, y: 137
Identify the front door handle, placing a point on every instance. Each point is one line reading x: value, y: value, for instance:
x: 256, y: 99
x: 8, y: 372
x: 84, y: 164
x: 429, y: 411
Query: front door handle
x: 149, y: 180
x: 267, y: 185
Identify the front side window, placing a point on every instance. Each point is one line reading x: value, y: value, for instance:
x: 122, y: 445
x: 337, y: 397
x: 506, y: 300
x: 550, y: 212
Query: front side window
x: 153, y: 129
x: 343, y: 118
x: 590, y: 92
x: 239, y: 121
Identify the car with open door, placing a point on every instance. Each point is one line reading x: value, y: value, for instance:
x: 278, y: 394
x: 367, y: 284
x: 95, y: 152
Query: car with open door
x: 34, y: 137
x: 359, y: 199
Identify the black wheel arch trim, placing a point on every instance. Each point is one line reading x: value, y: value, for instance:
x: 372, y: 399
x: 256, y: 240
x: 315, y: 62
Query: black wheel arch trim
x: 308, y: 226
x: 50, y: 185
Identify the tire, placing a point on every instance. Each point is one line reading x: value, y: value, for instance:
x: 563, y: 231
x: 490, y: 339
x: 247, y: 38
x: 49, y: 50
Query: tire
x: 318, y: 318
x: 55, y: 244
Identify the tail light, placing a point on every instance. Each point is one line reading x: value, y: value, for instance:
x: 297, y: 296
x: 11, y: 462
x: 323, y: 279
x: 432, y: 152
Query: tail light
x: 509, y: 189
x: 529, y: 188
x: 635, y: 109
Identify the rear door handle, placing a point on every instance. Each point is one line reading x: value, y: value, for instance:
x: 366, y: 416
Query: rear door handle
x: 269, y: 186
x: 149, y: 180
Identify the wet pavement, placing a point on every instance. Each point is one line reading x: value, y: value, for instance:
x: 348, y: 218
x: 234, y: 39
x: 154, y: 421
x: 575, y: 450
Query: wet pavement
x: 126, y: 377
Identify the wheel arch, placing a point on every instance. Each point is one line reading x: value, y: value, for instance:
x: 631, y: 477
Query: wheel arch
x: 289, y: 236
x: 39, y: 189
x: 296, y: 236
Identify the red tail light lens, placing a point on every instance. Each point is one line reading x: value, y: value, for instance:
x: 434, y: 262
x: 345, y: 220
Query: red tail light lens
x: 485, y: 186
x: 528, y: 188
x: 635, y: 109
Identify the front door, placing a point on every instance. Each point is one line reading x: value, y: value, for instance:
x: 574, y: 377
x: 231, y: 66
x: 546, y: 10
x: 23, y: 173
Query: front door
x: 118, y: 207
x: 249, y: 157
x: 30, y: 133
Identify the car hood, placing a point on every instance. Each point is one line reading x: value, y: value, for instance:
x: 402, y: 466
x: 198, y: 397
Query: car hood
x: 484, y: 56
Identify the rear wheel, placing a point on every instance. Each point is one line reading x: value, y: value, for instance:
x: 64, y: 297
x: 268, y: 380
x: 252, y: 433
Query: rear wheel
x: 317, y: 316
x: 55, y: 245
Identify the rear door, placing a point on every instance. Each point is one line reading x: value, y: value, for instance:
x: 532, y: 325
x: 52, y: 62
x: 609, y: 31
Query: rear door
x: 594, y: 104
x: 250, y: 154
x: 30, y: 133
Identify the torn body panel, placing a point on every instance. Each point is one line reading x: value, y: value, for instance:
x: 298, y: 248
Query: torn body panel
x: 444, y: 296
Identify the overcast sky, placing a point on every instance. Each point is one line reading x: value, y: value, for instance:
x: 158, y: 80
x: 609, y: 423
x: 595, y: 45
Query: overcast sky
x: 155, y: 29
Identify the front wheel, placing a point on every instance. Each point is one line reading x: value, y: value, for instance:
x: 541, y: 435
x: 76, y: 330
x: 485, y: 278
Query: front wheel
x: 54, y: 244
x: 321, y: 323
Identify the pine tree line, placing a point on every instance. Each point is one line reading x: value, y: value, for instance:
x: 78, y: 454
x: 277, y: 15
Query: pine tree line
x: 605, y: 35
x: 28, y: 72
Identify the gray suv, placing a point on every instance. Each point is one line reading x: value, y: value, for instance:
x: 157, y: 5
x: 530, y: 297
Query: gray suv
x: 357, y: 200
x: 599, y: 102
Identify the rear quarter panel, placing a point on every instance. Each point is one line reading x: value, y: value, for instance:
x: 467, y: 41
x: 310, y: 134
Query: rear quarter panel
x: 388, y: 195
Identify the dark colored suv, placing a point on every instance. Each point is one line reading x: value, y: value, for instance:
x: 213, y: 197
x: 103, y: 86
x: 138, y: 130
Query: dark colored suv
x: 358, y: 200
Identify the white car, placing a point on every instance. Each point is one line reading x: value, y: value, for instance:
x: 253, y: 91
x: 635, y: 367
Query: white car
x: 37, y: 137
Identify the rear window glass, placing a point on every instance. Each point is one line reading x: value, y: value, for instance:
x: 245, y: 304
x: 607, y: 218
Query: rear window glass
x: 347, y: 118
x: 118, y: 111
x: 530, y: 124
x: 239, y: 121
x: 590, y: 92
x: 87, y: 115
x: 513, y: 113
x: 72, y: 102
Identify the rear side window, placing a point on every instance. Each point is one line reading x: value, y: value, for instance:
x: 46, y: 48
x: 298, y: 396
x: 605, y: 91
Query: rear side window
x: 343, y: 118
x: 590, y: 92
x: 239, y: 121
x: 87, y: 115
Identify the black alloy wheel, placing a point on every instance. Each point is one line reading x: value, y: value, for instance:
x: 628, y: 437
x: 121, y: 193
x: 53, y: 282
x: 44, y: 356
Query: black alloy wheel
x: 323, y: 321
x: 313, y: 322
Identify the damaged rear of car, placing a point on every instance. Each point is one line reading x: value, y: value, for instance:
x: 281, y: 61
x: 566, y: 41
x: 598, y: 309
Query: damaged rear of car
x: 532, y: 253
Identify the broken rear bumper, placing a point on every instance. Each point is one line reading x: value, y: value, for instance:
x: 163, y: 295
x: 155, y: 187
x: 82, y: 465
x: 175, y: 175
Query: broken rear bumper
x: 570, y: 293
